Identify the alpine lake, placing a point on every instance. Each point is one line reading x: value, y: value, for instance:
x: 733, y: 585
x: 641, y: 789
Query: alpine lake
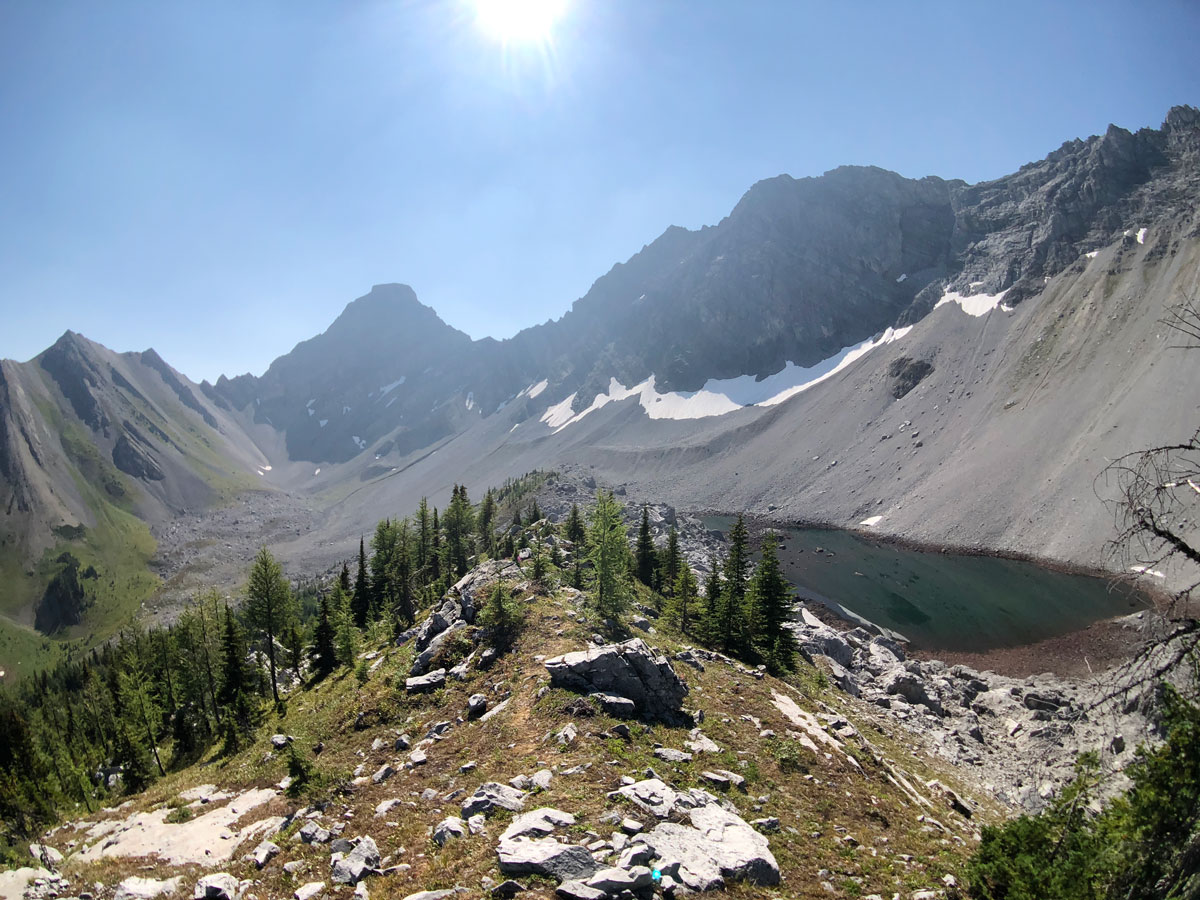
x: 942, y: 600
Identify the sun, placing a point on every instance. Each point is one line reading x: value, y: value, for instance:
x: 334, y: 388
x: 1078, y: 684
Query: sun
x: 519, y: 21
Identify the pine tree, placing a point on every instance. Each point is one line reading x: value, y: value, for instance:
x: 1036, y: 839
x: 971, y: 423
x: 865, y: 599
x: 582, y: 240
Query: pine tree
x: 681, y: 607
x: 324, y: 640
x: 501, y: 615
x: 575, y: 532
x: 609, y: 554
x: 535, y: 512
x: 773, y: 640
x: 732, y: 618
x: 345, y: 634
x: 487, y: 522
x: 344, y: 579
x: 235, y: 683
x: 269, y: 605
x: 710, y: 624
x: 361, y: 603
x: 425, y: 528
x: 645, y: 551
x: 672, y: 562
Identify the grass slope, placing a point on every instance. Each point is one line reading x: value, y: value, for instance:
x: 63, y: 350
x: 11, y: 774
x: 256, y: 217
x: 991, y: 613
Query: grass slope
x: 852, y: 820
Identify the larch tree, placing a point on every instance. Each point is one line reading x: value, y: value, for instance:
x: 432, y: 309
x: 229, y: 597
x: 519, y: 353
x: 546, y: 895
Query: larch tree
x: 269, y: 605
x: 609, y: 554
x: 644, y: 555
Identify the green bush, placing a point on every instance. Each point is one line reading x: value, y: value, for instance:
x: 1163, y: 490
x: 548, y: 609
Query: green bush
x: 1145, y: 844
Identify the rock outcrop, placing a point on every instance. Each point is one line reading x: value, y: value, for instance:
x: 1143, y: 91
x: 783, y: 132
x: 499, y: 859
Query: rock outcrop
x: 630, y: 670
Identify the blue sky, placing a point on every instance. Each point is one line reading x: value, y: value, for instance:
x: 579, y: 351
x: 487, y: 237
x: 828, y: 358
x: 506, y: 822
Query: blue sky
x: 218, y: 180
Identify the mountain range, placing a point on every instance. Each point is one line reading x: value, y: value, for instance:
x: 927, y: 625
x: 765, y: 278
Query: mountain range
x: 947, y: 363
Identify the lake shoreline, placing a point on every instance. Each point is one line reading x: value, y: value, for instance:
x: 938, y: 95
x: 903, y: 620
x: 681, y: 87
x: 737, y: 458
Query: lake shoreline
x: 981, y: 607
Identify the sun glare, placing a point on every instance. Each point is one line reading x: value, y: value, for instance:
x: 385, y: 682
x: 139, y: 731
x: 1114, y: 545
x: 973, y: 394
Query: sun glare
x: 519, y: 21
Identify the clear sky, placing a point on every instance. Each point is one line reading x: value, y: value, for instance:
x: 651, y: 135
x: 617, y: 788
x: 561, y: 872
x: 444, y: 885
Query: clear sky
x: 217, y: 180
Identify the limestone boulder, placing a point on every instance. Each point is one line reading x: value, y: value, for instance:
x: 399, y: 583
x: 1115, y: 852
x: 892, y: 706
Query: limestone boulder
x: 628, y: 669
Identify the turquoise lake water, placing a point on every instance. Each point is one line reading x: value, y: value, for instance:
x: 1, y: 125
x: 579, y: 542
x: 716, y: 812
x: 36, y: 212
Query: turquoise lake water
x: 946, y: 601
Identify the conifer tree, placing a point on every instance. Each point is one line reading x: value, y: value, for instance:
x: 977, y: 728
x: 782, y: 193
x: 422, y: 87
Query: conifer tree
x: 345, y: 634
x: 710, y: 622
x: 324, y: 640
x: 609, y: 554
x: 645, y: 551
x: 535, y: 512
x: 235, y: 682
x: 575, y: 531
x: 142, y: 716
x: 681, y: 606
x: 269, y: 605
x: 773, y: 640
x: 425, y: 529
x: 487, y: 522
x: 671, y: 562
x: 344, y: 580
x: 732, y: 618
x: 361, y: 602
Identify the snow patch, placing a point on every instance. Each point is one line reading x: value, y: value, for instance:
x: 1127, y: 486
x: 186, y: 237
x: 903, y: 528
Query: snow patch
x: 871, y: 520
x: 388, y: 388
x: 359, y: 442
x: 323, y: 422
x: 720, y: 396
x: 974, y: 304
x: 975, y: 284
x: 558, y: 415
x: 470, y: 399
x: 310, y: 403
x: 903, y: 278
x: 316, y: 473
x: 389, y: 403
x: 1092, y: 254
x: 536, y: 389
x: 311, y: 411
x: 1141, y: 236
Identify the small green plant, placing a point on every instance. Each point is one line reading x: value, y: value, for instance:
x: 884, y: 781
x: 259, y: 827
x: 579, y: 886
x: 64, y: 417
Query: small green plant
x: 361, y: 672
x: 300, y: 770
x: 179, y: 815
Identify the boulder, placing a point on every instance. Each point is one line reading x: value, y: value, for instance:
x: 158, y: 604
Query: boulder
x: 615, y: 880
x: 264, y: 853
x: 627, y: 669
x: 541, y: 779
x: 219, y: 886
x: 667, y: 754
x: 658, y: 798
x: 382, y: 774
x: 476, y: 706
x: 718, y: 845
x: 449, y: 827
x: 423, y: 660
x: 425, y: 684
x: 46, y: 855
x: 540, y: 822
x: 312, y: 833
x: 615, y: 705
x: 579, y: 890
x: 913, y: 689
x: 134, y: 888
x: 357, y: 864
x: 545, y: 856
x: 308, y: 891
x: 280, y: 741
x: 491, y: 796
